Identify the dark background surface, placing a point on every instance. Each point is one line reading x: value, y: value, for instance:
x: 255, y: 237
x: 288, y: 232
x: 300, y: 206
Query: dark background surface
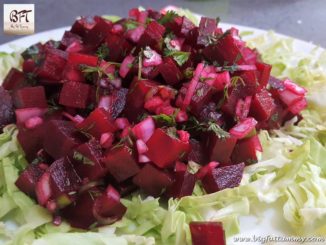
x: 304, y: 19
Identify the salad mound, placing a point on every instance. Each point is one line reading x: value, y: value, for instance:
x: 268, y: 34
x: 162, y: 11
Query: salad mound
x: 151, y: 103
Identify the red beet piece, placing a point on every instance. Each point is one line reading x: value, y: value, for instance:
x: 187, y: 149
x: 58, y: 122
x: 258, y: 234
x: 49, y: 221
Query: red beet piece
x: 152, y: 181
x: 64, y: 181
x: 224, y: 177
x: 52, y: 65
x: 107, y: 208
x: 7, y: 114
x: 262, y: 105
x: 86, y: 159
x: 196, y: 153
x: 98, y: 33
x: 31, y: 140
x: 116, y: 102
x: 183, y: 184
x: 136, y: 98
x: 170, y: 71
x: 118, y: 47
x: 152, y: 36
x: 226, y: 49
x: 203, y: 95
x: 164, y: 149
x: 83, y: 25
x: 243, y: 128
x: 61, y: 138
x: 207, y: 233
x: 220, y: 149
x: 245, y: 151
x: 265, y: 71
x: 30, y: 97
x: 121, y: 163
x: 80, y: 213
x: 69, y: 38
x: 27, y: 180
x: 15, y: 79
x: 97, y: 123
x: 207, y: 27
x: 74, y: 94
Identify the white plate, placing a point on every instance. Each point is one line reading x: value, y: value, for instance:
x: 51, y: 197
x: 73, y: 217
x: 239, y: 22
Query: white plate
x: 270, y: 221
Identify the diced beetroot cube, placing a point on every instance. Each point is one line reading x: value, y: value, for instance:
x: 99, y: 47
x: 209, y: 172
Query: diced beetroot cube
x: 52, y: 65
x: 27, y: 180
x: 262, y: 105
x: 245, y: 151
x: 265, y: 71
x: 224, y: 177
x: 196, y: 153
x: 98, y: 33
x: 97, y: 123
x: 183, y: 184
x: 188, y: 30
x: 136, y: 98
x: 31, y: 141
x: 207, y: 27
x: 207, y: 233
x: 180, y: 167
x: 86, y: 159
x: 64, y: 181
x: 29, y: 65
x: 61, y: 138
x: 152, y: 36
x: 121, y: 163
x: 7, y: 114
x: 80, y: 213
x: 243, y: 128
x: 23, y: 115
x: 118, y: 47
x: 203, y: 95
x: 164, y: 149
x: 226, y: 49
x: 74, y: 94
x: 170, y: 71
x: 15, y: 79
x: 251, y: 82
x: 152, y: 181
x: 30, y: 97
x: 116, y: 102
x: 83, y: 25
x: 69, y: 38
x: 220, y: 149
x: 107, y: 208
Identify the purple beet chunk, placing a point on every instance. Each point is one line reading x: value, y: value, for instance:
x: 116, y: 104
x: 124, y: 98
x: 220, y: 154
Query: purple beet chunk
x: 121, y: 163
x: 61, y: 138
x: 118, y: 102
x: 183, y: 185
x: 152, y: 180
x: 31, y: 140
x: 7, y: 114
x: 197, y: 154
x: 28, y: 178
x: 221, y: 178
x: 63, y: 178
x: 80, y: 213
x: 86, y: 159
x: 207, y: 233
